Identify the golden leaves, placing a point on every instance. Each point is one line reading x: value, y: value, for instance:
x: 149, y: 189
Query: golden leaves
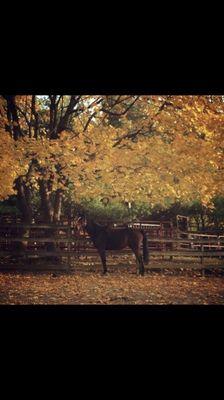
x: 180, y: 158
x: 121, y: 286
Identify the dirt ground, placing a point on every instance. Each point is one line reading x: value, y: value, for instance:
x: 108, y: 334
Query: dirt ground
x: 120, y: 286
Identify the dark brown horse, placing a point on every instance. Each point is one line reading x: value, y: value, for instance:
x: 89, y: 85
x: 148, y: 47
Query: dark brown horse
x: 105, y: 238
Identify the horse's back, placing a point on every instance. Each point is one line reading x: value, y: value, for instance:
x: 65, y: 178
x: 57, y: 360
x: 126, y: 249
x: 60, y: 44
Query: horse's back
x: 117, y: 239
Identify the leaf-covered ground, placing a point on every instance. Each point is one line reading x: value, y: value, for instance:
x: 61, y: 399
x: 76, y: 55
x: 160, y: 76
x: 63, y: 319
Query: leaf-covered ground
x: 120, y: 286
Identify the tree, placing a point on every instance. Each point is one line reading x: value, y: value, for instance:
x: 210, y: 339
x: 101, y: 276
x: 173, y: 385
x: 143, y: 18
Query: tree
x: 33, y: 122
x: 155, y: 149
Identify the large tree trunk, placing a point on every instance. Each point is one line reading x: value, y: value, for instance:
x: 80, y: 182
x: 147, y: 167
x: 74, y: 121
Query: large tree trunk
x: 46, y: 203
x: 23, y: 192
x: 58, y: 205
x: 25, y: 207
x: 24, y: 200
x: 58, y: 208
x: 51, y: 211
x: 13, y: 120
x: 47, y: 211
x: 202, y: 221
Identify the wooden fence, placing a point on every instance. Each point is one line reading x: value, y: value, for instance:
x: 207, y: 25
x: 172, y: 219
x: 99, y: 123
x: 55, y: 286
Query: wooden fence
x: 61, y: 245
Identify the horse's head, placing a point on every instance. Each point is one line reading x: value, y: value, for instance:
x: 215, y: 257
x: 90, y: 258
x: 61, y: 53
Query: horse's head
x: 86, y: 225
x: 81, y: 223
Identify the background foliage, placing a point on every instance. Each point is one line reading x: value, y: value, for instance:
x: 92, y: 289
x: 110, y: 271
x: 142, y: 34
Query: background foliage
x: 157, y: 152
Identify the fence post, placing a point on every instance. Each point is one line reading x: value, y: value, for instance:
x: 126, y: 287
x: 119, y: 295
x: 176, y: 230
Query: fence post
x: 202, y: 249
x: 69, y: 246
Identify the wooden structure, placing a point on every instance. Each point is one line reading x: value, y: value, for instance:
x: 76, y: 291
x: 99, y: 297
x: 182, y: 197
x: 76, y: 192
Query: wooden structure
x: 50, y: 246
x: 30, y: 243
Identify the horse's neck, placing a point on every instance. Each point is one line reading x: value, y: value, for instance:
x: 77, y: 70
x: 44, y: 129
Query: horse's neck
x: 93, y: 228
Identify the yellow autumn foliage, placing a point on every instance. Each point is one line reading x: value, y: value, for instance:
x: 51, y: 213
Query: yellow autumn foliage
x: 182, y: 160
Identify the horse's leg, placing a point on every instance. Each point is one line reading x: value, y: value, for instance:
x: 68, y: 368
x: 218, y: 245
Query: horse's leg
x: 139, y: 260
x: 103, y: 259
x: 141, y: 264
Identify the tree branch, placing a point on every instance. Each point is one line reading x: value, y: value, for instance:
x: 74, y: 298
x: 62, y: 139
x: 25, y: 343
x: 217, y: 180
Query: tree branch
x: 35, y: 114
x: 97, y: 101
x: 26, y: 119
x: 89, y: 120
x: 123, y: 112
x: 167, y: 104
x: 65, y: 118
x: 13, y: 116
x: 129, y: 135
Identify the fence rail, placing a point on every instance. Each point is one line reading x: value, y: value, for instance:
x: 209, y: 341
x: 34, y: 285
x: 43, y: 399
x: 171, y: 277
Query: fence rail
x: 69, y: 244
x: 85, y: 239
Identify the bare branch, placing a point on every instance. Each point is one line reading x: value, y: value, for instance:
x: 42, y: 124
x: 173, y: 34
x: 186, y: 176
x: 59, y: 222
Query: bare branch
x: 53, y: 112
x: 59, y: 98
x: 167, y: 104
x: 129, y: 135
x: 36, y: 116
x: 89, y: 120
x: 26, y: 119
x: 95, y: 102
x: 13, y: 116
x: 65, y: 118
x: 132, y: 135
x: 123, y: 112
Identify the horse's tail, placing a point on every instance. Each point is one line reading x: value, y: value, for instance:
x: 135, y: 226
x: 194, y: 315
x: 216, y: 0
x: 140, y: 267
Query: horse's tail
x: 145, y: 248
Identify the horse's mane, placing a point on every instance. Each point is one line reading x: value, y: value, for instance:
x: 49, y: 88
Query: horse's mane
x: 96, y: 228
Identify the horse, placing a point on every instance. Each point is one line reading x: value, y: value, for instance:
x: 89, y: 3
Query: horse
x: 106, y: 238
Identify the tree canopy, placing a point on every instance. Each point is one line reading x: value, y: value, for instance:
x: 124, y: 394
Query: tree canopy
x: 154, y: 149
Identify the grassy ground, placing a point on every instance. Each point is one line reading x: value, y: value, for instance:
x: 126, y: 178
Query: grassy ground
x: 86, y: 285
